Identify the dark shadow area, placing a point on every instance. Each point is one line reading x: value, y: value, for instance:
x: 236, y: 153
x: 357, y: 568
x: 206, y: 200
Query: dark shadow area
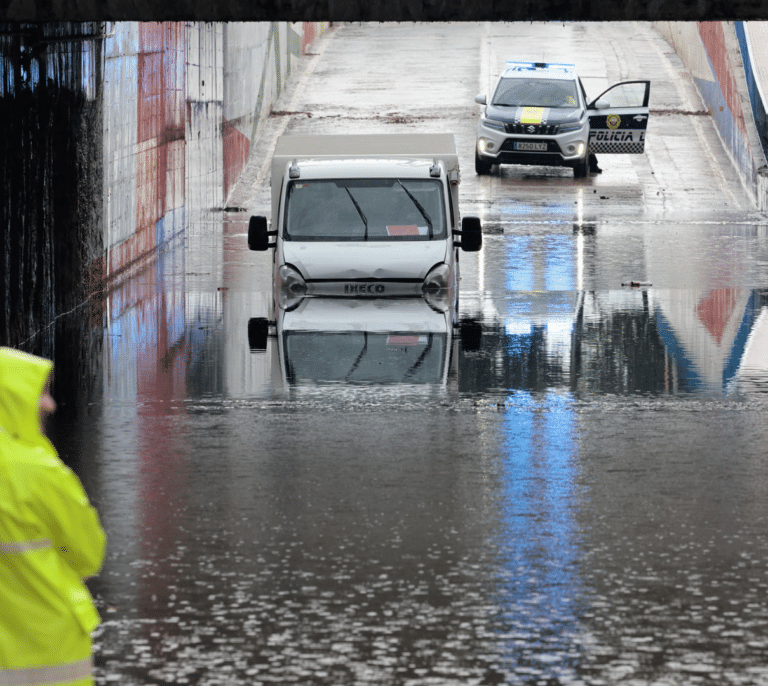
x: 51, y: 175
x: 399, y: 10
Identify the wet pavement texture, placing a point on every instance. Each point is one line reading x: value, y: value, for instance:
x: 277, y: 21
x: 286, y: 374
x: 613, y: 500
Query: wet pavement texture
x: 570, y: 491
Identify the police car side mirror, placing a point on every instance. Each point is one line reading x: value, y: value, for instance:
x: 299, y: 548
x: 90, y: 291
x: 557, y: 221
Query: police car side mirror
x: 258, y: 235
x: 601, y: 104
x: 481, y: 100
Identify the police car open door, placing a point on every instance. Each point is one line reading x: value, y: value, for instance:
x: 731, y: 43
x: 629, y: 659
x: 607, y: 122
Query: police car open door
x: 618, y: 118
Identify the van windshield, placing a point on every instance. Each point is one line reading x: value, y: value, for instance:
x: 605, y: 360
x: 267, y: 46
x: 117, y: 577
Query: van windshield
x: 365, y: 210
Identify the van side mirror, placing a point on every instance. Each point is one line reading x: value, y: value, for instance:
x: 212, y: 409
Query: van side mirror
x: 258, y: 235
x: 471, y: 332
x: 471, y: 234
x: 481, y: 100
x: 258, y: 332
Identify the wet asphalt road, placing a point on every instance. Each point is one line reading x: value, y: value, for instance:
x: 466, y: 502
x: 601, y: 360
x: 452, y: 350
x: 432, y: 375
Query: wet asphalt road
x: 572, y: 493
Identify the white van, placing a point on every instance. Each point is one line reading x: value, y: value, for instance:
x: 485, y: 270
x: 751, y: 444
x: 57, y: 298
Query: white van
x: 366, y: 216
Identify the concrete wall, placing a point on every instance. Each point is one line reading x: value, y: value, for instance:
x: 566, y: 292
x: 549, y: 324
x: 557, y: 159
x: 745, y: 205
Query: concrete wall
x: 712, y: 53
x: 50, y: 218
x: 184, y: 101
x: 115, y: 134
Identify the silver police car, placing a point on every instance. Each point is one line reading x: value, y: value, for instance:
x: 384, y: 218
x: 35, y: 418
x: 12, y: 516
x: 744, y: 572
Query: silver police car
x: 539, y: 114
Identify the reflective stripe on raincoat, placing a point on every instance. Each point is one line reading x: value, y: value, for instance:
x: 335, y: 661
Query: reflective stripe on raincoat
x: 50, y: 541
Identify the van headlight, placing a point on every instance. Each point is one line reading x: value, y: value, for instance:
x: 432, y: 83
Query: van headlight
x: 291, y: 282
x: 435, y: 288
x: 437, y: 279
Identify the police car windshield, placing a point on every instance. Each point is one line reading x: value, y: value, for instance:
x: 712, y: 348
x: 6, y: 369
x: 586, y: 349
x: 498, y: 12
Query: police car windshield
x: 364, y: 210
x: 536, y: 93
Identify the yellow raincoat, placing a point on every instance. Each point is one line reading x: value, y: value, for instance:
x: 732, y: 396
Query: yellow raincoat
x: 50, y: 540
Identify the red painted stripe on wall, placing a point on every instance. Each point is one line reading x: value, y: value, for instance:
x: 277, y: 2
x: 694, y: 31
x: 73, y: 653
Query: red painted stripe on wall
x: 712, y: 36
x: 160, y: 122
x: 237, y: 147
x: 308, y: 35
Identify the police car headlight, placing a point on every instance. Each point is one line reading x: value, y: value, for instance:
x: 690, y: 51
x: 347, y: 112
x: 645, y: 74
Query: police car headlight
x: 291, y: 282
x: 493, y: 124
x: 484, y: 145
x: 568, y: 128
x: 436, y: 280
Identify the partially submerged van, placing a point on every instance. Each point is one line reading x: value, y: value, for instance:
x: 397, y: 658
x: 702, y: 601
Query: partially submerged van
x: 366, y: 215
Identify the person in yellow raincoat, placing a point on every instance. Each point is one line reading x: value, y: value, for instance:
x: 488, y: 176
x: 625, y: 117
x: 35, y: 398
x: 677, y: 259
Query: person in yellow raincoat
x: 50, y: 540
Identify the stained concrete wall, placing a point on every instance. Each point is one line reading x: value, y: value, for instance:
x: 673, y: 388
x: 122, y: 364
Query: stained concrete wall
x: 712, y: 54
x: 115, y: 133
x: 185, y: 101
x: 50, y: 220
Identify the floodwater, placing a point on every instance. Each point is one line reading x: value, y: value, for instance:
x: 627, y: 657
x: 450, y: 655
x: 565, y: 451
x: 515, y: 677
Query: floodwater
x: 567, y: 487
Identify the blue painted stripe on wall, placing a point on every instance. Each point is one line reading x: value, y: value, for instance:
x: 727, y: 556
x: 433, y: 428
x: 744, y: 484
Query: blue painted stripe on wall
x: 725, y: 121
x: 740, y: 341
x: 758, y: 106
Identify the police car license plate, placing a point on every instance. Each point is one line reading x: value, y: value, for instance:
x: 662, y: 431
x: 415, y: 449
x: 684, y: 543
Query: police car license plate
x: 533, y: 147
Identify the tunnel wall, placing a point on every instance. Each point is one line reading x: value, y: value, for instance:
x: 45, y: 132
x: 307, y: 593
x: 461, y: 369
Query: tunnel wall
x: 184, y: 102
x: 113, y: 133
x: 712, y: 54
x: 51, y: 109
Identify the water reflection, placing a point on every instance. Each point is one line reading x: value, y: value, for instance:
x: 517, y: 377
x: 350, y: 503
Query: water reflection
x: 540, y: 589
x: 185, y: 333
x: 359, y: 341
x: 605, y: 310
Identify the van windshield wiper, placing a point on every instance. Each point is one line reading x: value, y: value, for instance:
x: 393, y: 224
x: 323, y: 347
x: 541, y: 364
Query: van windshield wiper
x: 359, y: 211
x: 418, y: 207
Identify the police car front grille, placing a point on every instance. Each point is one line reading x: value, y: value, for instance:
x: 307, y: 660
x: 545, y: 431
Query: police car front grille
x: 532, y: 129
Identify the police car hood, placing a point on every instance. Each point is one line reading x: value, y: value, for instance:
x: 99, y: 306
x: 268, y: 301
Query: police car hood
x: 533, y: 115
x: 351, y: 260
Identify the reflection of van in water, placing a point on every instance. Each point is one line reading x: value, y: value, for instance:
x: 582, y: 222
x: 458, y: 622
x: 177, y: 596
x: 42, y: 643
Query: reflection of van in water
x: 378, y: 341
x: 365, y: 215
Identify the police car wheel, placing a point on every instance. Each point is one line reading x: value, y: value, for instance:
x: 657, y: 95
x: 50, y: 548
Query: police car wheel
x: 481, y: 166
x: 580, y: 169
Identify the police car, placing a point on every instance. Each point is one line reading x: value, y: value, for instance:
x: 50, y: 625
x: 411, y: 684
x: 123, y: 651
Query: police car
x: 539, y: 115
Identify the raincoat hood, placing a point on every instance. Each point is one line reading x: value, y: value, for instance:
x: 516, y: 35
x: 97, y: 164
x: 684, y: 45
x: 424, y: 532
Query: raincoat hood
x: 22, y: 380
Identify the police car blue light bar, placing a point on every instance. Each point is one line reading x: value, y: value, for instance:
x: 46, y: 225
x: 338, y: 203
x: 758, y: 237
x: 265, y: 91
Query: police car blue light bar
x: 512, y: 65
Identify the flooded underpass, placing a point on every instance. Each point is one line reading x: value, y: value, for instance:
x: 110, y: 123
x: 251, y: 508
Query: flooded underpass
x: 565, y: 487
x: 565, y: 483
